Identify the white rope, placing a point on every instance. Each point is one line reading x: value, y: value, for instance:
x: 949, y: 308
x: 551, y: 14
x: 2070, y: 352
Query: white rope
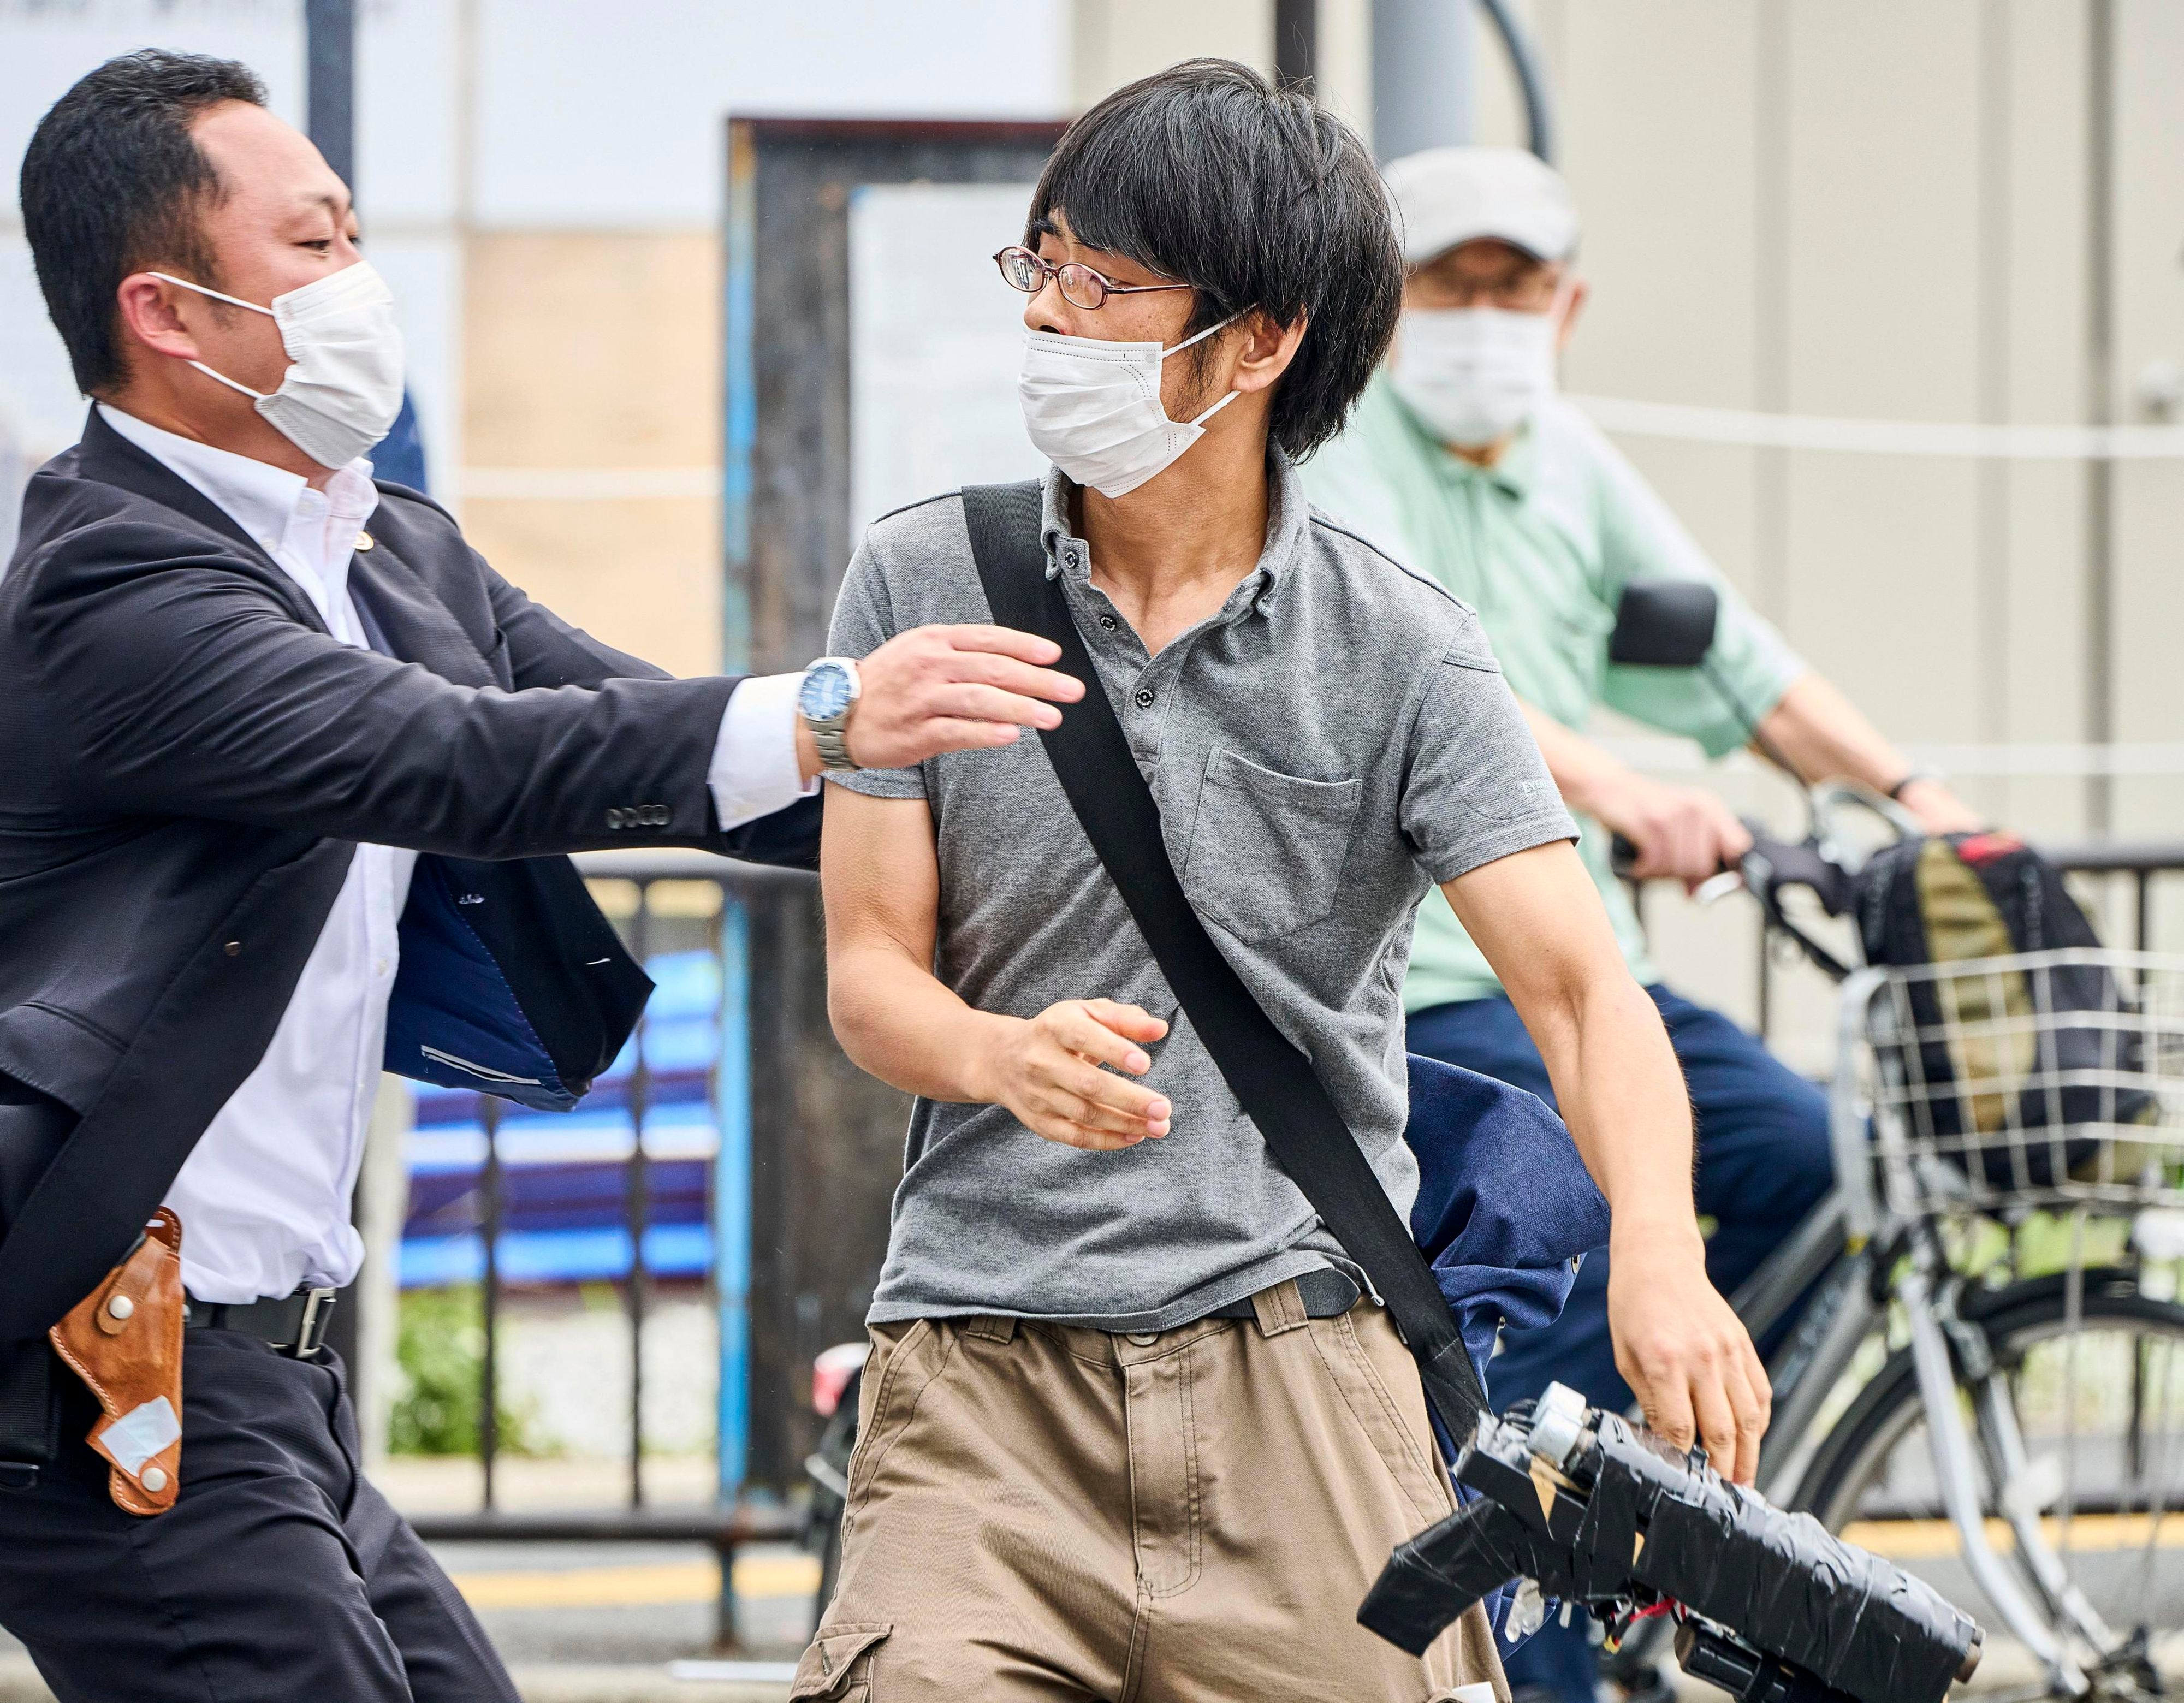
x: 1662, y: 754
x: 1883, y: 437
x: 1671, y: 420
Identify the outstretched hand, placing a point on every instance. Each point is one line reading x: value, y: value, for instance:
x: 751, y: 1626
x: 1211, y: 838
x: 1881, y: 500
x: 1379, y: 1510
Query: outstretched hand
x: 950, y: 688
x: 1684, y: 1352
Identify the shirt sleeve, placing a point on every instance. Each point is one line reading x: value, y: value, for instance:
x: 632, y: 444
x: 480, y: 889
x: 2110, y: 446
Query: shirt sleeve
x: 1476, y: 787
x: 1750, y: 664
x: 864, y: 621
x: 754, y: 769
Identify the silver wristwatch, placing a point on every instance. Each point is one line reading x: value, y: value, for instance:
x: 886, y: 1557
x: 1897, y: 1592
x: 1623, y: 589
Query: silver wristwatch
x: 826, y: 700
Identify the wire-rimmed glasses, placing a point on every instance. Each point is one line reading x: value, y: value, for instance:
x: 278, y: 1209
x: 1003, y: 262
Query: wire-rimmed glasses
x: 1081, y: 286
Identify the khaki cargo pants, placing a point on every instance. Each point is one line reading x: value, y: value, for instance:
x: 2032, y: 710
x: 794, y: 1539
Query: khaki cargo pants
x: 1039, y: 1511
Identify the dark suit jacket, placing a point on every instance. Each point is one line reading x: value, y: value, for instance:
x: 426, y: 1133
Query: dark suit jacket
x: 187, y: 760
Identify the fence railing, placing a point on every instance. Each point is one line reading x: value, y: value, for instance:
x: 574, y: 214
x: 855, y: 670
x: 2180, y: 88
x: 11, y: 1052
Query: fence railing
x: 668, y: 903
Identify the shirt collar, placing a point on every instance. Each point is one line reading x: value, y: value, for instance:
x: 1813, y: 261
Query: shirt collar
x: 261, y: 498
x: 1288, y: 520
x: 1512, y: 474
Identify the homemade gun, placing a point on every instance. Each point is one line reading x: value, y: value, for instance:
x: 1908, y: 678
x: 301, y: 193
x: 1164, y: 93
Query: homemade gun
x: 1769, y: 1604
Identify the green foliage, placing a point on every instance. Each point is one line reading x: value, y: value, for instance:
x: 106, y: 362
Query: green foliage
x: 440, y: 1350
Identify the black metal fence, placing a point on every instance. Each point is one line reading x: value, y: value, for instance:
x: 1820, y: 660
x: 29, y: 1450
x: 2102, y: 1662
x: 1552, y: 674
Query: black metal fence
x: 632, y: 889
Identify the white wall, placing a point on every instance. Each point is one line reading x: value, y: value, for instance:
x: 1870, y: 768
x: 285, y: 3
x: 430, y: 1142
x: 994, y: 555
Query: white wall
x: 577, y: 126
x: 584, y: 117
x: 43, y: 50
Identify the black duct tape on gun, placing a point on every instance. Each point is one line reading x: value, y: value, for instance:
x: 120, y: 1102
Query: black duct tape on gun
x: 1769, y: 1604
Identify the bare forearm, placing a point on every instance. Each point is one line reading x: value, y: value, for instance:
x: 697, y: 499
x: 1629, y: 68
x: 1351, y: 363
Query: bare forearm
x: 1542, y: 927
x: 1826, y: 737
x: 1541, y: 923
x: 1680, y: 832
x: 1063, y: 1073
x: 898, y: 1023
x: 1584, y: 774
x: 1621, y: 1094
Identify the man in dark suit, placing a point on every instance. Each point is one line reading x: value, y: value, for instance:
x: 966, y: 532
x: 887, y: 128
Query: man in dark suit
x: 291, y: 776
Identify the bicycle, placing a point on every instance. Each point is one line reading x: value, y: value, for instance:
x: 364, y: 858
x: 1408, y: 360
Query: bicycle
x: 1935, y: 1373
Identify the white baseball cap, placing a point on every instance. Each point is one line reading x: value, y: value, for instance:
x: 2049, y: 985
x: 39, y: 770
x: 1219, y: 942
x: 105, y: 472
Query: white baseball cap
x: 1451, y: 194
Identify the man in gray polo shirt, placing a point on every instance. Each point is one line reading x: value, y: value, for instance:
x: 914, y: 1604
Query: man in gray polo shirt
x: 1130, y: 1429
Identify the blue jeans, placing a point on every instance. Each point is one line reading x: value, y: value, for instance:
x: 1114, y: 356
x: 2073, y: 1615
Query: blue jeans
x: 1763, y: 1163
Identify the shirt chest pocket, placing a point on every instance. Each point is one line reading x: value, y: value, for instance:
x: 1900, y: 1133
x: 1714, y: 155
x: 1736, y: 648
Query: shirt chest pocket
x: 1266, y: 849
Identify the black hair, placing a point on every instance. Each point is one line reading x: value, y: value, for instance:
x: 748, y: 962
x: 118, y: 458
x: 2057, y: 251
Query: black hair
x: 114, y: 182
x: 1209, y: 175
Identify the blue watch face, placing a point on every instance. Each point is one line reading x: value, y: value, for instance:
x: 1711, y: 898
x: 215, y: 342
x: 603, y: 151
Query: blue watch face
x: 825, y: 692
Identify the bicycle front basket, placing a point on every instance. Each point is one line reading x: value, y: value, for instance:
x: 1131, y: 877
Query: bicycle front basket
x: 2034, y: 1079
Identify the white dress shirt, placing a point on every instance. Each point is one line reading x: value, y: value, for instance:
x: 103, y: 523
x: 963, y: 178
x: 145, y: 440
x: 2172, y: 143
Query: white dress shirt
x: 263, y: 1199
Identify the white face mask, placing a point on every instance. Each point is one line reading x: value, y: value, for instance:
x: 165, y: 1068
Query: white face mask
x: 344, y: 390
x: 1094, y: 409
x: 1475, y: 375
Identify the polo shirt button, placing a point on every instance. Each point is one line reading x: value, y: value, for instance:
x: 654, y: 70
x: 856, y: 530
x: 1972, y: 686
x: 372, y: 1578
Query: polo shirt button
x: 1144, y: 697
x: 1108, y: 622
x: 233, y: 949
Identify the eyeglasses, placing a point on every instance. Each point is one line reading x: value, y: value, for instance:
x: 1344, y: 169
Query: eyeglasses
x: 1531, y: 289
x: 1081, y: 286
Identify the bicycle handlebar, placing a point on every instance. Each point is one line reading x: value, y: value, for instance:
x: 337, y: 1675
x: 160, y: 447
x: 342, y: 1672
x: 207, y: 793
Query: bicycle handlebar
x: 1768, y: 868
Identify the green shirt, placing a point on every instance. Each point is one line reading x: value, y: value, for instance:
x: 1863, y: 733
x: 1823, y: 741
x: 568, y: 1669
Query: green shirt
x: 1541, y: 545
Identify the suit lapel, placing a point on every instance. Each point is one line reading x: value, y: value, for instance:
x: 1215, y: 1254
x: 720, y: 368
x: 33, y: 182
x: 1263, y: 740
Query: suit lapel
x: 113, y: 460
x: 417, y: 625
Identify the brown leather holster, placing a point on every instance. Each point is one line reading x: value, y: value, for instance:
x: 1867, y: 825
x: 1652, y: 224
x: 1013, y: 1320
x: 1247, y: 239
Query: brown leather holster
x: 125, y: 1341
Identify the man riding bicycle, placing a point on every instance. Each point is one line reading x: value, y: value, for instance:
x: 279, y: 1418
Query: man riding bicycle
x: 1463, y: 460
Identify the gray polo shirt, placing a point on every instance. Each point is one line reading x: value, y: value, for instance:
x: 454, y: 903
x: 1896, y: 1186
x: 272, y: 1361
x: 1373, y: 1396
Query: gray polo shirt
x: 1335, y: 740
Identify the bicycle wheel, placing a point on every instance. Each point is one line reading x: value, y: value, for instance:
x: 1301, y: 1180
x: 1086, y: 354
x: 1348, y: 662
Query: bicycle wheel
x: 2102, y: 1410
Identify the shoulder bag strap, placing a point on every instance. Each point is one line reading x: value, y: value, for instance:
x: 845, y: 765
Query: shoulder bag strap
x: 1274, y: 1083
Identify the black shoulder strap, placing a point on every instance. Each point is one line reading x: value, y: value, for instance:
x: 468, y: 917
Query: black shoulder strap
x: 1272, y: 1081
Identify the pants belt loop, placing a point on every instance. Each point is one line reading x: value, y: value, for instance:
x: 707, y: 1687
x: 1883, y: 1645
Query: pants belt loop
x: 1280, y: 1308
x: 990, y: 1327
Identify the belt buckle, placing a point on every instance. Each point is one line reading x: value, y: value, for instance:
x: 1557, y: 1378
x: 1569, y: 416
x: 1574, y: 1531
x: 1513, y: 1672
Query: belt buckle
x: 311, y: 1331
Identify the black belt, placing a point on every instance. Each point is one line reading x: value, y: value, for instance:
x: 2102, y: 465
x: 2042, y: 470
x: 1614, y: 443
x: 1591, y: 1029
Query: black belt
x: 1326, y: 1294
x: 296, y: 1324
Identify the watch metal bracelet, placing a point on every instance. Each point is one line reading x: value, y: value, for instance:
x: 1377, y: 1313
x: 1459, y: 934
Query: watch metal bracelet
x: 834, y: 746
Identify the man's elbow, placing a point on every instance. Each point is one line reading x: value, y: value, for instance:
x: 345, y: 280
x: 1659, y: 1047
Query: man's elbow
x: 853, y: 1002
x: 1579, y: 992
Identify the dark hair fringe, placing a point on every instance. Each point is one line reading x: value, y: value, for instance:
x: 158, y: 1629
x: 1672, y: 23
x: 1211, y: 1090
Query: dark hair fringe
x: 1208, y: 173
x: 114, y: 182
